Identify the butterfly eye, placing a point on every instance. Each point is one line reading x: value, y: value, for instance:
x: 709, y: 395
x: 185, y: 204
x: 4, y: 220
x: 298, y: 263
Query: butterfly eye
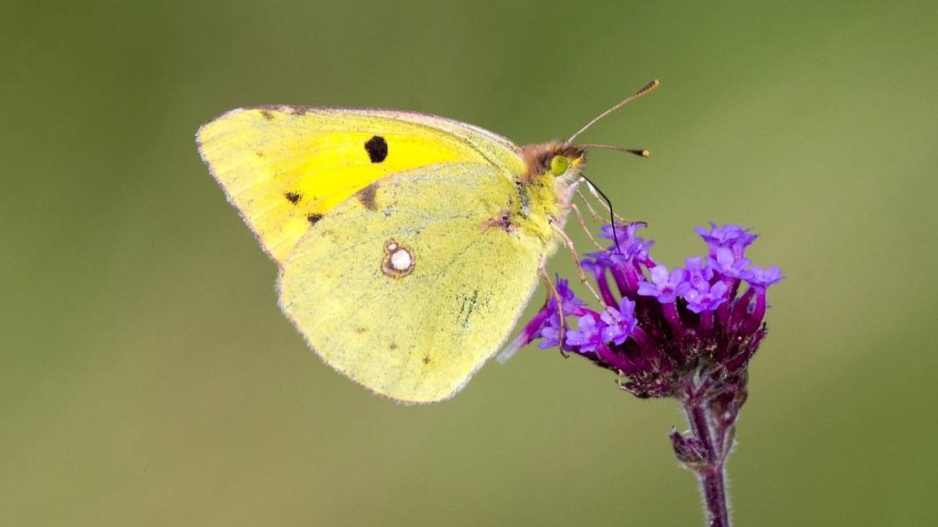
x: 558, y: 165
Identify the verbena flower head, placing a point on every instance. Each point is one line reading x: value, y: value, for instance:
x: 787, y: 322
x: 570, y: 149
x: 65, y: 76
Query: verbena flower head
x: 687, y: 332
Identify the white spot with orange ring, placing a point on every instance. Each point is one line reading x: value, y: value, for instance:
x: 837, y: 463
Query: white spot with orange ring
x: 398, y: 260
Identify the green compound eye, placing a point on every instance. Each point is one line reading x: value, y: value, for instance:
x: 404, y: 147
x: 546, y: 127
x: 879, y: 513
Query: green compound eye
x: 558, y: 165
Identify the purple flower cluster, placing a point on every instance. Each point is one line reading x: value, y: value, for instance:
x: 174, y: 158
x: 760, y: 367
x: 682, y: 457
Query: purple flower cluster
x: 687, y: 332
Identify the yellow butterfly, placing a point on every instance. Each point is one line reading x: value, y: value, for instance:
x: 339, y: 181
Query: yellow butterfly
x: 408, y: 244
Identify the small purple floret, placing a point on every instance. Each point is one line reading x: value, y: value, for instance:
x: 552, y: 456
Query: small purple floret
x: 588, y: 336
x: 663, y: 286
x: 706, y: 297
x: 730, y: 236
x: 759, y: 277
x: 546, y: 324
x: 625, y: 233
x: 549, y: 330
x: 726, y: 263
x: 631, y: 248
x: 549, y: 333
x: 620, y: 322
x: 697, y: 273
x: 571, y: 304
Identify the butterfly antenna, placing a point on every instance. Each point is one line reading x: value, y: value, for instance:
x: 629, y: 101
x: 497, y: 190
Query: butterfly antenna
x: 612, y: 215
x: 634, y: 151
x: 647, y: 88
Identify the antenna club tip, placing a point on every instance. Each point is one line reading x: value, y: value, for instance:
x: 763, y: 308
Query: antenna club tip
x: 638, y: 152
x: 647, y: 88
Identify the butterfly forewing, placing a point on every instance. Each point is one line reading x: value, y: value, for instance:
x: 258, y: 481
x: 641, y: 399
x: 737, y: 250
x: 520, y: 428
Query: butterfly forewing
x: 285, y: 168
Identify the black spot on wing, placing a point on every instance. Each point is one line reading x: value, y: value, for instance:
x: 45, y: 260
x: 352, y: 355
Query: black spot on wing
x: 377, y: 149
x: 313, y: 218
x: 293, y: 197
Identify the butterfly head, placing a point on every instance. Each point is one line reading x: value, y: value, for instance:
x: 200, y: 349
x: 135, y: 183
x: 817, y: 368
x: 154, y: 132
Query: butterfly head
x: 559, y: 160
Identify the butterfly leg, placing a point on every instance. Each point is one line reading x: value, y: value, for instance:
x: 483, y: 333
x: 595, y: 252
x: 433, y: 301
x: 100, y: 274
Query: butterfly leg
x: 557, y: 298
x: 582, y: 222
x: 596, y: 217
x: 576, y: 260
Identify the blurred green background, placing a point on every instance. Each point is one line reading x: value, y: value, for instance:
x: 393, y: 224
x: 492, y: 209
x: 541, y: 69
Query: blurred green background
x: 147, y: 376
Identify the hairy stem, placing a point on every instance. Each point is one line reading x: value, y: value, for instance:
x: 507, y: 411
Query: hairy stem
x: 711, y: 473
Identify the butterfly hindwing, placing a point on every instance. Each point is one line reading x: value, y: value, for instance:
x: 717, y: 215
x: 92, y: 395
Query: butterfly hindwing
x: 408, y: 290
